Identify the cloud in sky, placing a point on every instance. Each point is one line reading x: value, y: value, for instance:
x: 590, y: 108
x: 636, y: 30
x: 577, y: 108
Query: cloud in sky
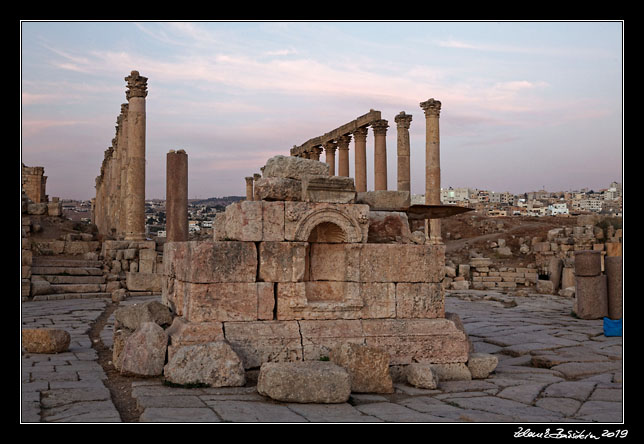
x: 234, y: 93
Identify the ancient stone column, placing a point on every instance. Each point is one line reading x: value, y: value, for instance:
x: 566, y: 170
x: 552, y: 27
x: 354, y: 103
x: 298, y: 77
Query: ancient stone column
x: 135, y: 202
x: 591, y: 293
x: 315, y: 153
x: 256, y: 177
x: 360, y: 138
x: 613, y: 265
x: 176, y: 196
x: 329, y: 149
x: 403, y: 122
x: 343, y: 155
x: 380, y: 154
x: 122, y: 143
x: 249, y: 188
x: 432, y: 110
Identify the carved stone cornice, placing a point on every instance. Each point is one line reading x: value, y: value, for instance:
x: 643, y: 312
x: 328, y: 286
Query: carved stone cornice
x: 431, y: 107
x: 137, y: 85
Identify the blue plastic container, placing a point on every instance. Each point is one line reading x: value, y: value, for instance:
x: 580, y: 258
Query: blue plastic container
x: 612, y: 327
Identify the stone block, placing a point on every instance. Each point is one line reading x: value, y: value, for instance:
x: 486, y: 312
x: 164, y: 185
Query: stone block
x: 214, y: 364
x: 591, y: 298
x: 421, y: 376
x: 144, y: 351
x: 255, y: 221
x: 304, y: 382
x: 278, y: 189
x: 331, y: 189
x: 402, y: 263
x: 273, y: 221
x: 420, y: 300
x: 368, y: 367
x: 613, y: 265
x: 133, y: 316
x: 264, y: 341
x: 302, y: 219
x: 147, y: 261
x: 452, y: 371
x: 481, y: 365
x: 228, y: 301
x: 417, y: 340
x: 389, y: 227
x: 588, y: 263
x: 45, y: 340
x: 545, y: 287
x: 136, y: 281
x: 182, y: 332
x: 211, y: 262
x: 294, y: 167
x: 283, y: 261
x: 385, y: 200
x: 613, y: 249
x: 335, y: 300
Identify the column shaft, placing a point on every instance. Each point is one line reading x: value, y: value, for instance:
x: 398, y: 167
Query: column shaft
x: 249, y: 188
x: 402, y: 122
x: 380, y: 154
x: 360, y: 137
x: 176, y: 198
x: 432, y: 164
x: 343, y: 155
x: 329, y: 149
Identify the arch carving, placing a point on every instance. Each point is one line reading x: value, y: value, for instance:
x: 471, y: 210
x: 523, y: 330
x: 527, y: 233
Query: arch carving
x: 349, y: 225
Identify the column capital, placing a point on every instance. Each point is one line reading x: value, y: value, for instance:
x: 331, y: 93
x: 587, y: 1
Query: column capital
x: 249, y: 179
x: 316, y: 150
x: 137, y: 85
x: 360, y: 135
x: 431, y: 107
x: 403, y: 120
x: 343, y: 142
x: 330, y: 146
x: 380, y: 127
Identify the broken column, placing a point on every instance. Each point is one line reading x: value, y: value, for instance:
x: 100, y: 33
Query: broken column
x: 249, y: 188
x: 380, y: 154
x: 591, y: 299
x: 135, y: 202
x: 613, y: 266
x: 402, y: 122
x: 343, y: 155
x: 176, y: 204
x: 360, y: 173
x: 432, y: 110
x: 122, y: 143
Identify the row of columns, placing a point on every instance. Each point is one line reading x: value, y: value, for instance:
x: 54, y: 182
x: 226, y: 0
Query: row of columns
x: 119, y: 206
x: 403, y: 120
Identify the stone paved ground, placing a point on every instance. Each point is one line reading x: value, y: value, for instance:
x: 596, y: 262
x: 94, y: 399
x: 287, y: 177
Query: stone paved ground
x: 553, y: 368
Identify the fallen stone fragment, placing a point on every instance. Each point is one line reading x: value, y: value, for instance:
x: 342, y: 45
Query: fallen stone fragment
x: 214, y: 364
x: 481, y: 365
x: 133, y: 316
x: 452, y: 372
x: 367, y: 366
x: 45, y: 340
x: 304, y: 382
x: 144, y: 351
x: 421, y: 376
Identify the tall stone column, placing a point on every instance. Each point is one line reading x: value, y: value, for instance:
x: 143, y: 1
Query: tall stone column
x: 176, y: 196
x: 122, y: 143
x: 249, y: 188
x: 343, y: 155
x: 256, y: 177
x: 360, y: 138
x: 329, y: 149
x: 135, y: 202
x: 403, y: 122
x: 380, y: 154
x: 432, y: 110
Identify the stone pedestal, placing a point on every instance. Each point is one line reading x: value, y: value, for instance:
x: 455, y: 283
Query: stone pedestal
x: 591, y: 299
x: 588, y: 263
x: 360, y: 137
x: 177, y: 196
x: 403, y: 121
x: 135, y: 184
x: 613, y: 266
x: 380, y: 154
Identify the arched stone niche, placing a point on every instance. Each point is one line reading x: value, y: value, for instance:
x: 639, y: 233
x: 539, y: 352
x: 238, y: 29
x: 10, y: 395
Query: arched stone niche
x: 328, y: 225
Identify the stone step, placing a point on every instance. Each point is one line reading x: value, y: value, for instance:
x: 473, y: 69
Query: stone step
x: 70, y: 271
x: 60, y: 296
x: 63, y: 279
x: 47, y: 261
x: 77, y: 288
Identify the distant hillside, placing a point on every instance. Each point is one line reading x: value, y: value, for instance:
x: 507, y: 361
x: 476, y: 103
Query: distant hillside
x: 214, y: 201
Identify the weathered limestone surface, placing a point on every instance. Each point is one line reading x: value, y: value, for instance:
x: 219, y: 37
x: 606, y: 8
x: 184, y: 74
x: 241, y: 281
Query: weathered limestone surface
x: 213, y: 363
x: 267, y: 341
x: 331, y: 189
x: 45, y: 340
x: 294, y: 167
x: 421, y: 375
x: 304, y: 382
x: 278, y: 189
x: 133, y: 316
x: 227, y: 301
x: 144, y: 351
x: 591, y: 297
x: 613, y: 266
x: 368, y: 367
x: 211, y: 262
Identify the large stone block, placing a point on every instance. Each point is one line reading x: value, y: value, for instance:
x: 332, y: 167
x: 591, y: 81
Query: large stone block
x: 264, y: 341
x: 389, y: 227
x: 294, y: 167
x: 144, y: 351
x: 182, y: 332
x: 211, y: 262
x: 302, y: 219
x: 335, y: 300
x: 420, y: 300
x: 278, y: 188
x: 137, y: 281
x: 283, y: 261
x: 255, y: 221
x: 45, y: 340
x: 335, y: 262
x: 332, y: 189
x: 402, y: 263
x: 385, y: 200
x: 368, y: 367
x: 591, y: 297
x: 304, y: 382
x: 214, y: 364
x: 229, y: 301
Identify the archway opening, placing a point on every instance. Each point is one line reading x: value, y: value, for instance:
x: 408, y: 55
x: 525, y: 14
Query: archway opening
x: 327, y: 232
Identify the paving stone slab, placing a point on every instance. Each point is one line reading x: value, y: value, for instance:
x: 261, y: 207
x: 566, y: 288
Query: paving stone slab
x: 179, y: 401
x: 565, y: 406
x: 245, y: 411
x: 331, y: 413
x: 600, y: 411
x: 174, y: 414
x: 391, y: 412
x: 85, y: 411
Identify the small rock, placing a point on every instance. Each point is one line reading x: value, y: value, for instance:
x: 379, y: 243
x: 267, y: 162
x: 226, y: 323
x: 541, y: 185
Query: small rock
x: 368, y: 367
x: 319, y: 382
x: 144, y: 351
x: 45, y: 340
x: 213, y: 363
x: 457, y: 371
x: 481, y: 365
x: 421, y: 376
